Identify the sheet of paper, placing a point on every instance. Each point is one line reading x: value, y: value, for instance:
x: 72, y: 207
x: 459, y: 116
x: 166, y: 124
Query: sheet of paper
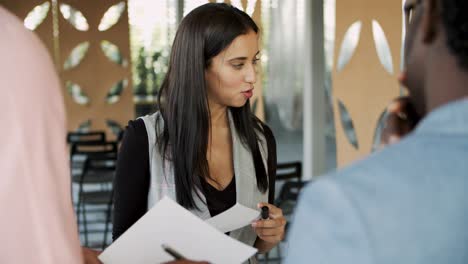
x: 234, y: 218
x: 170, y: 224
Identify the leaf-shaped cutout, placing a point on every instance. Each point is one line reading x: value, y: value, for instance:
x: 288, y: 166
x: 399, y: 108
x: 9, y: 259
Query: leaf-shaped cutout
x: 382, y: 47
x: 114, y: 126
x: 112, y: 52
x: 36, y: 16
x: 378, y: 130
x: 114, y: 93
x: 74, y: 17
x: 76, y: 55
x: 112, y: 16
x: 251, y: 7
x: 349, y: 44
x: 84, y: 126
x: 77, y: 94
x: 347, y: 124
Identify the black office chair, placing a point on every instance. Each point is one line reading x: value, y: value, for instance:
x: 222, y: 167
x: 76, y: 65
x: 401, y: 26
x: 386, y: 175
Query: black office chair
x: 287, y: 198
x: 80, y: 137
x: 96, y: 173
x: 91, y: 149
x: 99, y: 169
x: 289, y: 171
x: 76, y: 159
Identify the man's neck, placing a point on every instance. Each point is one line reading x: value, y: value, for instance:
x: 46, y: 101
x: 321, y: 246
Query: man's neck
x: 446, y: 82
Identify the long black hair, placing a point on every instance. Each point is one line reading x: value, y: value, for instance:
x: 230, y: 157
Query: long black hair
x: 203, y: 33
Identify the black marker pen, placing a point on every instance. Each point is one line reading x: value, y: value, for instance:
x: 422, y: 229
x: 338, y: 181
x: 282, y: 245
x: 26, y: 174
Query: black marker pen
x: 172, y: 252
x: 265, y: 212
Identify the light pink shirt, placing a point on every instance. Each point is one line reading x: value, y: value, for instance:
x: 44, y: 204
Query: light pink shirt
x: 37, y: 223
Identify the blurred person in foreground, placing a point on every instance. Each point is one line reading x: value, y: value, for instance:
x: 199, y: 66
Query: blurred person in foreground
x: 406, y: 203
x: 38, y: 222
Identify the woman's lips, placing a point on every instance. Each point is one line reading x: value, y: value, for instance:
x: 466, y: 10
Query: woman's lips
x: 248, y: 94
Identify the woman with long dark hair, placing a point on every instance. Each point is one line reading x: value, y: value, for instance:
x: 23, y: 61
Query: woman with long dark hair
x: 204, y: 148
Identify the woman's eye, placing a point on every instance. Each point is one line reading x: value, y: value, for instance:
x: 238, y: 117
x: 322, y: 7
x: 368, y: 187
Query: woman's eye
x: 238, y: 66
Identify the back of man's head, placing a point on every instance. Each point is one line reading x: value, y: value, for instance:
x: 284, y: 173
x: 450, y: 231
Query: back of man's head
x: 455, y: 21
x: 436, y: 52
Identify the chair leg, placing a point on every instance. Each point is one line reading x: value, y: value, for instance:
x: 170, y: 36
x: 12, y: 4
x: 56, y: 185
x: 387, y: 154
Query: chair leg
x: 78, y: 214
x: 81, y: 210
x: 106, y: 229
x: 85, y: 224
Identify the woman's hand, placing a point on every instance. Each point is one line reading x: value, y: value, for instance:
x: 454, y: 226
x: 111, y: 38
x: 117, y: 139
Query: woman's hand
x: 270, y: 230
x: 401, y: 120
x: 90, y: 256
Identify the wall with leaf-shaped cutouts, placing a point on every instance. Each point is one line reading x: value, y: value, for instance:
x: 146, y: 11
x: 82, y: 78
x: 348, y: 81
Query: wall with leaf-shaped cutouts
x: 95, y: 56
x: 37, y: 16
x: 90, y: 43
x: 366, y: 64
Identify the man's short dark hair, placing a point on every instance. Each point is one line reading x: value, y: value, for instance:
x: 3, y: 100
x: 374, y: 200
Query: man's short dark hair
x: 455, y: 21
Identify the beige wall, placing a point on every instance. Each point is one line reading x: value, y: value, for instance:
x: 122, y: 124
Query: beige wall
x: 96, y: 74
x: 364, y: 86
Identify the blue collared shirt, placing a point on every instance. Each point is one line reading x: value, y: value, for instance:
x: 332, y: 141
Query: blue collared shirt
x: 405, y: 204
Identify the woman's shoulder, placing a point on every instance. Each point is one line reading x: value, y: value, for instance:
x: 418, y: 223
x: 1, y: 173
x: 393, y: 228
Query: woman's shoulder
x: 135, y: 134
x: 136, y: 127
x: 152, y: 125
x: 152, y: 119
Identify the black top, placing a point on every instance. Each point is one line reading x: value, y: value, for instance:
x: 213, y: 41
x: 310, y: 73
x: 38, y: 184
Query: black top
x: 219, y: 201
x: 132, y: 179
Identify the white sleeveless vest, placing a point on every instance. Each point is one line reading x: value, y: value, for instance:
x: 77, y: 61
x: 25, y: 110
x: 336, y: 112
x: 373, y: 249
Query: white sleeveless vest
x: 247, y: 193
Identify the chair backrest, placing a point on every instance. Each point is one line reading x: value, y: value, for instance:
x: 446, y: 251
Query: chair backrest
x: 290, y: 191
x: 92, y: 149
x: 289, y: 182
x: 289, y: 171
x: 80, y: 137
x: 99, y: 164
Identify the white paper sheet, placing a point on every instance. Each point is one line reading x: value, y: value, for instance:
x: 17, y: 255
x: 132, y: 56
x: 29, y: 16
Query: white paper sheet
x: 234, y: 218
x: 169, y: 223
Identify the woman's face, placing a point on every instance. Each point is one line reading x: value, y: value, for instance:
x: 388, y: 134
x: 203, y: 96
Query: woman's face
x: 232, y: 73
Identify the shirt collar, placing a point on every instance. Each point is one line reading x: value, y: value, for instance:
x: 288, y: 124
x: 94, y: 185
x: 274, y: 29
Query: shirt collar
x: 451, y: 118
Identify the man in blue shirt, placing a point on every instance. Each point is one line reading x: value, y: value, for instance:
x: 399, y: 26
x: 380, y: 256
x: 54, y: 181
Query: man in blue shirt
x: 408, y: 202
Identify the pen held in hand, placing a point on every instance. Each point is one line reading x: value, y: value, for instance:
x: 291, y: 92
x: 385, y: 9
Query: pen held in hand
x: 265, y: 212
x: 172, y: 252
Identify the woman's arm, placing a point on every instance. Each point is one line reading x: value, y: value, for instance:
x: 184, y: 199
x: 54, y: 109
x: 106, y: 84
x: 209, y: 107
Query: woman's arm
x: 132, y: 178
x: 262, y: 245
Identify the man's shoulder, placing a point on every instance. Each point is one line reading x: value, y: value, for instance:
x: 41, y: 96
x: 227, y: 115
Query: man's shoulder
x: 412, y: 168
x: 394, y: 165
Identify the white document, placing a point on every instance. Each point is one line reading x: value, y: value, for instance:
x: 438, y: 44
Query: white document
x: 234, y: 218
x: 170, y: 224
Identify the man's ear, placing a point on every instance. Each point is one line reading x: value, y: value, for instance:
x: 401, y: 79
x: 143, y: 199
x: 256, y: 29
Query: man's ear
x: 430, y: 20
